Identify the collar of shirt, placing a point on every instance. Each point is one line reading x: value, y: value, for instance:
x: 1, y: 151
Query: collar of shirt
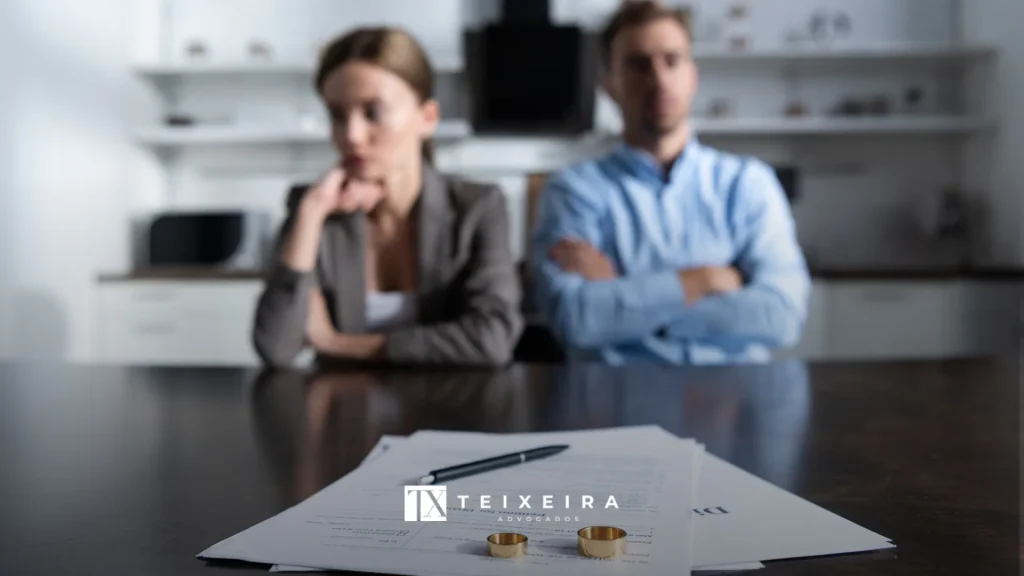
x: 641, y: 164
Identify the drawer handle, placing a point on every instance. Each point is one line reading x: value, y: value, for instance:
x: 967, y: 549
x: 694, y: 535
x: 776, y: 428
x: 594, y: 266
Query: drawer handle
x: 154, y: 328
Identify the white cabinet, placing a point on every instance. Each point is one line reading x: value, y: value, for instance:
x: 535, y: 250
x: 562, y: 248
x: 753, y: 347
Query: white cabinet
x: 890, y: 319
x: 990, y: 320
x: 186, y: 322
x: 814, y: 339
x: 915, y: 319
x: 208, y: 323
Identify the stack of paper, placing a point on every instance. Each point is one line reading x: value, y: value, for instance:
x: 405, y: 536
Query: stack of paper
x: 683, y: 509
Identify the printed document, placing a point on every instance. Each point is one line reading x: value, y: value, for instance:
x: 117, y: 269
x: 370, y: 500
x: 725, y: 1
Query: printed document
x: 741, y: 519
x: 640, y: 479
x: 388, y: 441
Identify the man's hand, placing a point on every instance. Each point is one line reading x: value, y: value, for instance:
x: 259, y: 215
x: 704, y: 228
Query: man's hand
x: 578, y: 257
x: 700, y: 282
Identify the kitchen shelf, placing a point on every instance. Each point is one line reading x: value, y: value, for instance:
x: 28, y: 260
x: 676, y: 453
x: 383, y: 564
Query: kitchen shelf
x: 158, y: 71
x: 165, y: 136
x: 221, y: 69
x: 830, y: 126
x: 835, y: 55
x: 810, y: 54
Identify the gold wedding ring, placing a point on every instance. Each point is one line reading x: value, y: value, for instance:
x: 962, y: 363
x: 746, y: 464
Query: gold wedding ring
x: 506, y: 545
x: 601, y: 541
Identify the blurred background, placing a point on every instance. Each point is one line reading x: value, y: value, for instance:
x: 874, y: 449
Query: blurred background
x: 147, y: 146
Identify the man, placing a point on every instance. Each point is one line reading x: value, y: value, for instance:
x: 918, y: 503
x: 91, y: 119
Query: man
x: 666, y: 250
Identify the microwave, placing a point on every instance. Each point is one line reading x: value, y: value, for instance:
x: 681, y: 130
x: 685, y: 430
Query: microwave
x: 228, y: 239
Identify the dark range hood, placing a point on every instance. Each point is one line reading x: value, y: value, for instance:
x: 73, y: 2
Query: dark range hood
x: 530, y: 76
x: 537, y: 12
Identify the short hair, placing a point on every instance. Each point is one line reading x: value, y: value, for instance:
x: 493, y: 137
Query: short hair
x: 637, y: 13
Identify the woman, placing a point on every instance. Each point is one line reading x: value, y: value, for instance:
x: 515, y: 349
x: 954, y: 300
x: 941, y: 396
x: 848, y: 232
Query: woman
x: 385, y: 259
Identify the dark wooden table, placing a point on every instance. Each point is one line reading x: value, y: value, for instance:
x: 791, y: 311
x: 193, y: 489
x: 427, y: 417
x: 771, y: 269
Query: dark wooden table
x: 135, y: 471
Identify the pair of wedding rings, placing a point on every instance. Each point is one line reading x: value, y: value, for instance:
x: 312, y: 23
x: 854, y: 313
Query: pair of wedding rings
x: 592, y: 542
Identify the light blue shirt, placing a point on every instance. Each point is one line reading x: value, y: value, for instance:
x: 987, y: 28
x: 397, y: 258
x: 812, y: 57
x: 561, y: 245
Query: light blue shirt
x: 712, y: 209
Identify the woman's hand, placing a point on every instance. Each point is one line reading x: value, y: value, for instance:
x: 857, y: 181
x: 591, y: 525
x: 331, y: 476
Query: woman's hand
x: 322, y: 336
x: 336, y: 193
x: 320, y: 332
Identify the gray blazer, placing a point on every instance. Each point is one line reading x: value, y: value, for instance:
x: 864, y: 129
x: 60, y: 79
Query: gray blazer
x: 469, y: 292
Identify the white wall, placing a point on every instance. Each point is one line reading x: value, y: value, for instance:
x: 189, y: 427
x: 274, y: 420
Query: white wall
x: 63, y: 209
x: 8, y: 41
x: 994, y: 166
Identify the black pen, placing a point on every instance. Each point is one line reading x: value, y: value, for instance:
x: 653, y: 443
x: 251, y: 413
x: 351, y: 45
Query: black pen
x: 488, y: 464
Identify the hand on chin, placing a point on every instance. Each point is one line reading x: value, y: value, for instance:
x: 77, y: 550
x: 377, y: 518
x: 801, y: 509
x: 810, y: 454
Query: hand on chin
x: 359, y: 194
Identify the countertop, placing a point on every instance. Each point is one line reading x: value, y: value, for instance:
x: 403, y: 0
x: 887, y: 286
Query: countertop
x: 986, y: 273
x: 982, y: 273
x: 112, y: 470
x: 204, y: 274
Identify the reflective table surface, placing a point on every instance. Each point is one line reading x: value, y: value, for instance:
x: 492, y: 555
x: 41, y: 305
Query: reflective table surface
x: 109, y: 470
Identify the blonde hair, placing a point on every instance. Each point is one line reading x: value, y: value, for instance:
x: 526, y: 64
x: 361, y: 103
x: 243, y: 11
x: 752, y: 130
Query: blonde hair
x: 392, y: 49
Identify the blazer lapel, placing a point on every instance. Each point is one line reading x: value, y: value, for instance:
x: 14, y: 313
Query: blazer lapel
x: 433, y: 219
x: 350, y: 267
x: 434, y: 234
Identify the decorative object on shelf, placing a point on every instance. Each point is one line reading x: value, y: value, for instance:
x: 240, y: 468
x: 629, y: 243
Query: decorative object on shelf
x: 795, y: 103
x: 739, y: 27
x: 179, y: 120
x: 825, y: 27
x: 913, y: 99
x: 819, y: 26
x: 796, y: 109
x: 260, y: 51
x: 879, y: 105
x: 196, y: 50
x: 842, y: 26
x: 721, y: 108
x: 851, y: 106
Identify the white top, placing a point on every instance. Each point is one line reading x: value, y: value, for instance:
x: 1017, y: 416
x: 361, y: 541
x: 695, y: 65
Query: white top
x: 386, y: 310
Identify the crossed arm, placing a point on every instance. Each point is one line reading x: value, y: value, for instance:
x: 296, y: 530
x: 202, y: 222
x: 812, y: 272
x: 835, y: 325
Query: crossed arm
x: 588, y: 307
